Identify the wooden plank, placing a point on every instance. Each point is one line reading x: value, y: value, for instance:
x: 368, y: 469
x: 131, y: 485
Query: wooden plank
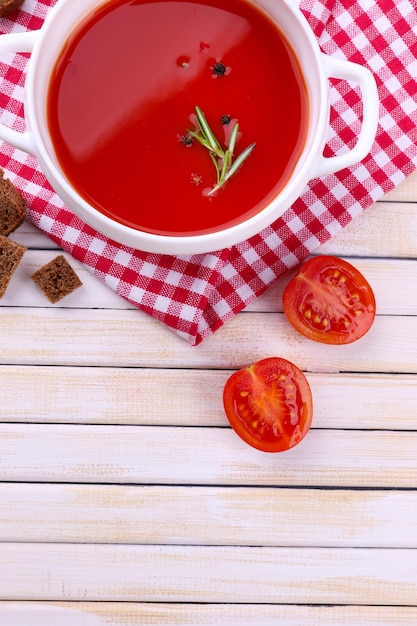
x: 23, y: 292
x: 125, y: 339
x: 61, y: 395
x: 207, y: 516
x: 276, y: 517
x: 391, y: 281
x: 405, y: 191
x: 389, y: 226
x: 172, y: 614
x: 387, y: 229
x: 220, y: 574
x: 389, y: 278
x: 203, y: 456
x: 31, y: 237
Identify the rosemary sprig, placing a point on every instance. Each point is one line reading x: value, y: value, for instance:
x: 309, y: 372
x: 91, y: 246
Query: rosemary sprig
x: 222, y: 159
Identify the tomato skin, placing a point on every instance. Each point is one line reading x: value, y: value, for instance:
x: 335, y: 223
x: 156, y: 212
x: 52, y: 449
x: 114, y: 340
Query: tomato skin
x: 329, y: 301
x: 269, y: 404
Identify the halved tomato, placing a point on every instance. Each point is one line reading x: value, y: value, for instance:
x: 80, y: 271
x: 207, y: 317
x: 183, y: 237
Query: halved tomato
x: 269, y: 404
x: 329, y: 301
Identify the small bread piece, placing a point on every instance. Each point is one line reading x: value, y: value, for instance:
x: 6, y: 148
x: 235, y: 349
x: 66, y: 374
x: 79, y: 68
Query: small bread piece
x: 56, y: 279
x: 10, y: 256
x: 12, y: 206
x: 7, y: 6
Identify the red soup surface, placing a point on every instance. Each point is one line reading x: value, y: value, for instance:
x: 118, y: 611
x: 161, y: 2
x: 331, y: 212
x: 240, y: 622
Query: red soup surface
x: 124, y: 94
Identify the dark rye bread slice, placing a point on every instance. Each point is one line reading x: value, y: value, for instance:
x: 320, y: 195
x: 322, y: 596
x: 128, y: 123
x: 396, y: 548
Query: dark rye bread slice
x: 12, y: 206
x: 10, y: 256
x: 7, y: 6
x: 56, y: 279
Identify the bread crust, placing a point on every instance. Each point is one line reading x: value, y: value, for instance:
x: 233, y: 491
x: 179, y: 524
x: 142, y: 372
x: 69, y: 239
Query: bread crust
x: 10, y: 256
x: 13, y: 208
x: 56, y: 279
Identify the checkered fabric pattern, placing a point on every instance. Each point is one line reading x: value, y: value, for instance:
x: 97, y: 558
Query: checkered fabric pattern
x: 196, y: 295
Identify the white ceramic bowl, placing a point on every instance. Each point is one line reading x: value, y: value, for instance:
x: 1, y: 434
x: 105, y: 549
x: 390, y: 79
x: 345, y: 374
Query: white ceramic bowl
x: 46, y: 45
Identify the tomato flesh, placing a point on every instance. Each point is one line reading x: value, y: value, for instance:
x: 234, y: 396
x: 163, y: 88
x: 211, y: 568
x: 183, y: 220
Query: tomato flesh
x: 329, y: 301
x: 269, y: 404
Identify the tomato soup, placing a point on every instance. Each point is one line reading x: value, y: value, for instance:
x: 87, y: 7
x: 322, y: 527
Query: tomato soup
x: 123, y: 97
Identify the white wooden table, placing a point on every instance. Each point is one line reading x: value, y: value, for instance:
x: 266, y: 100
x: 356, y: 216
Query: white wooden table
x: 126, y: 499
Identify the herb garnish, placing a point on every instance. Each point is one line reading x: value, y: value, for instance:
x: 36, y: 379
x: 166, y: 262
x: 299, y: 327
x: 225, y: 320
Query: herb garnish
x: 222, y: 159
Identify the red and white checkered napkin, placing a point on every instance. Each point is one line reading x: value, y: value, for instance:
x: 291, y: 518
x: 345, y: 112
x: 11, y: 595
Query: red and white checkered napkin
x: 195, y: 295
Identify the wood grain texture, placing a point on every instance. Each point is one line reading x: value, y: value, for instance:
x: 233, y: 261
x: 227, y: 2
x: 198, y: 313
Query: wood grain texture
x: 123, y: 339
x: 388, y: 229
x: 176, y: 515
x: 134, y: 573
x: 172, y: 614
x: 404, y: 192
x: 125, y: 498
x: 203, y: 456
x: 184, y: 397
x: 392, y: 295
x: 23, y: 292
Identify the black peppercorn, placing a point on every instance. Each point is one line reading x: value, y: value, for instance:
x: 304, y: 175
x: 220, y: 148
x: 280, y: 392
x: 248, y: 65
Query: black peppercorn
x: 186, y: 140
x: 219, y: 69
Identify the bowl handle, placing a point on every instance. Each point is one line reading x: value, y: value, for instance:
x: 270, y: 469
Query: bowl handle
x: 360, y: 75
x: 18, y: 42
